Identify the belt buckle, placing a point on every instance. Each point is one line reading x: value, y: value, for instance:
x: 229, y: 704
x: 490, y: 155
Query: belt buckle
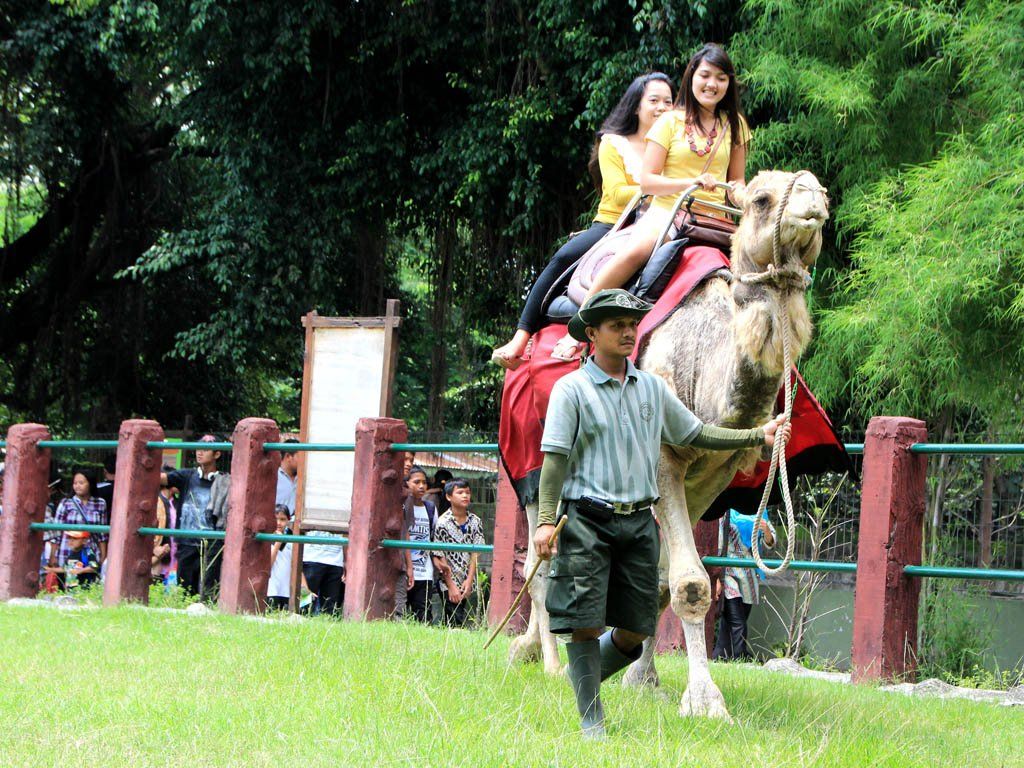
x: 623, y: 508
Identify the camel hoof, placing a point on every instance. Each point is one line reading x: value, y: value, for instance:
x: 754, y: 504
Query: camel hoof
x: 523, y: 651
x: 641, y: 676
x: 704, y: 700
x: 555, y: 667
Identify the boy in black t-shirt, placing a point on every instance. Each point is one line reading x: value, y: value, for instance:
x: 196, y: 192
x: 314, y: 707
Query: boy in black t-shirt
x: 198, y: 559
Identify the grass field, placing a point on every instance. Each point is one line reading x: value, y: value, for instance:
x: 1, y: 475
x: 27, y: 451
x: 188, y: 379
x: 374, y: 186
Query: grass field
x: 131, y: 687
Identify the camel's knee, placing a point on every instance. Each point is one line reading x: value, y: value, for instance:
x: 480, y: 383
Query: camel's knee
x: 691, y: 597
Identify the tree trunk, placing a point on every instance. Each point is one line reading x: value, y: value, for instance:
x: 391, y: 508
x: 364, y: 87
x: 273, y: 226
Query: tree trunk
x: 445, y: 244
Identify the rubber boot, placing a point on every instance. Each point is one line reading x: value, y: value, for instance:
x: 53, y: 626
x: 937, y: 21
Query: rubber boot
x: 612, y: 659
x: 585, y: 676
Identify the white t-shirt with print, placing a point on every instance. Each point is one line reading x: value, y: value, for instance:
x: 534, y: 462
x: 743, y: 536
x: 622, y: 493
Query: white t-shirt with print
x: 422, y: 565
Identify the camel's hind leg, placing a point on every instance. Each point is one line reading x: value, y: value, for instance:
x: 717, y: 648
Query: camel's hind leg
x: 690, y: 593
x: 537, y: 642
x: 642, y: 672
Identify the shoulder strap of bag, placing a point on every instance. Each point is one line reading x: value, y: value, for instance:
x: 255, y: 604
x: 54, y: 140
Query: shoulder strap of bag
x: 79, y: 509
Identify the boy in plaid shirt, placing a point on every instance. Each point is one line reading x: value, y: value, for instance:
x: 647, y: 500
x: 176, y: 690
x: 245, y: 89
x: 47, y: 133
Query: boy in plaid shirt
x: 457, y: 526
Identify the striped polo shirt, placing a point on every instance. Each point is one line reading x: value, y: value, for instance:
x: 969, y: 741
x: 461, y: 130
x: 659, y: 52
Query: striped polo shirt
x: 612, y: 432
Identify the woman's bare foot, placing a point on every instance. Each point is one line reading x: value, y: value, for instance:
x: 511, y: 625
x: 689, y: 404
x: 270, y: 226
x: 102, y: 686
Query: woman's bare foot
x: 510, y: 356
x: 567, y: 348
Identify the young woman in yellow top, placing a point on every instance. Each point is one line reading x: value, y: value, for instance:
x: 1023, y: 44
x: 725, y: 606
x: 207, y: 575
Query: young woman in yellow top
x: 675, y: 154
x: 615, y: 164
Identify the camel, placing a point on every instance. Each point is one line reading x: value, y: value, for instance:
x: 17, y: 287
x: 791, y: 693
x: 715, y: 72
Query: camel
x: 721, y: 352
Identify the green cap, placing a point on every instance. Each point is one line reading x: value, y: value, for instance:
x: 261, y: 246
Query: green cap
x: 611, y: 302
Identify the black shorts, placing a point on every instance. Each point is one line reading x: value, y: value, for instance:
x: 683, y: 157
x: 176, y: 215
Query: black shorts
x: 605, y: 572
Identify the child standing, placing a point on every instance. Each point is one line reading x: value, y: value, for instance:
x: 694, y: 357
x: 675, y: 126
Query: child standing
x: 457, y: 526
x: 279, y: 588
x: 78, y: 564
x: 420, y: 516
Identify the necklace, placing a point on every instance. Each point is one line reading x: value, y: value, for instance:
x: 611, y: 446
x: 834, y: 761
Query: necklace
x: 691, y: 140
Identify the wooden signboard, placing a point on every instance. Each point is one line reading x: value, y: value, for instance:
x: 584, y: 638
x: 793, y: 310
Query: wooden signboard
x: 348, y: 374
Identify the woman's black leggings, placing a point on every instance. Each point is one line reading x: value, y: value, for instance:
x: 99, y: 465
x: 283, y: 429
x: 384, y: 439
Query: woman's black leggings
x: 531, y: 319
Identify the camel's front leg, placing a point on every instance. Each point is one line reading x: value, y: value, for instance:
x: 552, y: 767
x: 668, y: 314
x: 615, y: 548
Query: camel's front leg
x: 537, y: 641
x: 690, y: 591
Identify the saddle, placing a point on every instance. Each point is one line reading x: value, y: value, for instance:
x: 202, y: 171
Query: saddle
x: 566, y: 295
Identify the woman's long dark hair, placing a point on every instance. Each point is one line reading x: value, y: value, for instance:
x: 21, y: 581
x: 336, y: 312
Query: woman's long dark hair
x: 714, y: 54
x: 623, y: 119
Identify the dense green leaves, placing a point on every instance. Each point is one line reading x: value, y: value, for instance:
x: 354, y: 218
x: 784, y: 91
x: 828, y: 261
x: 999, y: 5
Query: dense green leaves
x: 183, y: 180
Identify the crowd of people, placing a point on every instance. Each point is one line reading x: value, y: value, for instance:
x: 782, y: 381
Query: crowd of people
x: 433, y: 586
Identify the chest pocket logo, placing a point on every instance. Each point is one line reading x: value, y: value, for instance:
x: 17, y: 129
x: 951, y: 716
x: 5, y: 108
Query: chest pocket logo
x: 646, y: 411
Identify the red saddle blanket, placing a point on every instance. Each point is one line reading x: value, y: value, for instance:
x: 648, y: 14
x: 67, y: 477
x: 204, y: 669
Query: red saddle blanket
x: 813, y: 449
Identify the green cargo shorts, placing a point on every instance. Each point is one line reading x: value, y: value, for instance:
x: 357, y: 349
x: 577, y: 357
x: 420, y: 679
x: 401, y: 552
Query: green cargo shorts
x: 605, y: 573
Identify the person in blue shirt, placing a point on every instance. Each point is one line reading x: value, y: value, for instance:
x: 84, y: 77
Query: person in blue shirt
x: 739, y: 586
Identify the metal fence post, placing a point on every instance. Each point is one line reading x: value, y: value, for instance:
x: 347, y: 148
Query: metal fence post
x: 891, y: 519
x: 129, y: 555
x: 370, y: 571
x: 245, y: 568
x: 26, y: 491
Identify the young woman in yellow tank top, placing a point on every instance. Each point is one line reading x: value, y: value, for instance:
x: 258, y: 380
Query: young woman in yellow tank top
x: 676, y: 152
x: 615, y: 164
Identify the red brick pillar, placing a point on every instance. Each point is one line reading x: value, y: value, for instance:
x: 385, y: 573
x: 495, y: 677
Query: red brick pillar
x: 130, y: 556
x: 670, y: 629
x: 245, y: 569
x: 891, y: 519
x: 26, y: 491
x: 370, y: 571
x: 511, y: 540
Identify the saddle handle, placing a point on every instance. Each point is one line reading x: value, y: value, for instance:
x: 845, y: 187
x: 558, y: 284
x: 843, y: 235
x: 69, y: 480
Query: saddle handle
x: 686, y: 196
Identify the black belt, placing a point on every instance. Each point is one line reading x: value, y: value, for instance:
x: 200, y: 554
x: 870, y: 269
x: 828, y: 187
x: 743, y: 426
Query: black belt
x: 600, y: 506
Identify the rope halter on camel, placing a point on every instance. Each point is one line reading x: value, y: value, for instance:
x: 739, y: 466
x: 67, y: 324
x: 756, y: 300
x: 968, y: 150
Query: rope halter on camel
x: 785, y: 279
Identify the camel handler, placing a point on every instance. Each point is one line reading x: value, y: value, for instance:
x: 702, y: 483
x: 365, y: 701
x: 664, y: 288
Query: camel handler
x: 602, y: 439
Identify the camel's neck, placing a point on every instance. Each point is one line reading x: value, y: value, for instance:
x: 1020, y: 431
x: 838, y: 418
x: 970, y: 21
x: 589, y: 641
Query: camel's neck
x: 761, y: 312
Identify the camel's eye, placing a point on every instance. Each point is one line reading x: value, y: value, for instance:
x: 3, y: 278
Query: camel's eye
x: 763, y: 200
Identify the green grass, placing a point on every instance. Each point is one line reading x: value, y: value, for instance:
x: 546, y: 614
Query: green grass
x: 131, y: 687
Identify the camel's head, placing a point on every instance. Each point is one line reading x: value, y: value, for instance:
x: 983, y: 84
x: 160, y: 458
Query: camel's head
x: 800, y: 230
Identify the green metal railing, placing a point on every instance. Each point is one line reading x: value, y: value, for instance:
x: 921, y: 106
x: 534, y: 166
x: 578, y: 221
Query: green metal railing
x: 920, y: 571
x: 77, y: 443
x: 971, y: 574
x: 297, y: 538
x: 449, y: 447
x: 796, y: 565
x: 69, y: 527
x: 435, y: 546
x: 969, y: 449
x: 182, y: 533
x: 958, y: 449
x: 296, y: 447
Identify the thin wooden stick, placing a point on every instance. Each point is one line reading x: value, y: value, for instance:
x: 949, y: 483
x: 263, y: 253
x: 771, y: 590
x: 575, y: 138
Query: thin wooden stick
x: 533, y: 571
